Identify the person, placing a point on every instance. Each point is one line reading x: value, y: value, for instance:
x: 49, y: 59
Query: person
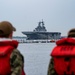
x: 60, y: 61
x: 11, y: 59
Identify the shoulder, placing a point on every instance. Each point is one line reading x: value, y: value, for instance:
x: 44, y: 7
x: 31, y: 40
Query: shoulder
x: 16, y: 54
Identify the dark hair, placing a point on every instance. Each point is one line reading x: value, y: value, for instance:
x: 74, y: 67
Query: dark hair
x: 6, y: 36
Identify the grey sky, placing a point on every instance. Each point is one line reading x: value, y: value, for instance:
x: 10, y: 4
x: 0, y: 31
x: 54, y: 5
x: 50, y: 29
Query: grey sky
x: 58, y: 15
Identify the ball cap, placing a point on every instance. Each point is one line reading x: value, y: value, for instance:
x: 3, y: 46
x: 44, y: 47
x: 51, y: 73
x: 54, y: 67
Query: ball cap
x: 71, y: 32
x: 6, y: 28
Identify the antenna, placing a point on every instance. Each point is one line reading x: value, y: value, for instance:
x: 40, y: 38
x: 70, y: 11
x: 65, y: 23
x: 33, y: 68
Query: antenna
x: 42, y: 22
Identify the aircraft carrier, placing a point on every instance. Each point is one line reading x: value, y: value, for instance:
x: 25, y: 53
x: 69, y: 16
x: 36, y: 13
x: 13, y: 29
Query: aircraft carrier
x: 40, y: 33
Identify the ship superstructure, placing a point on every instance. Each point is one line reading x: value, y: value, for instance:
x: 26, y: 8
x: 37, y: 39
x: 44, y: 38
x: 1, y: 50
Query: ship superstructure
x: 40, y: 27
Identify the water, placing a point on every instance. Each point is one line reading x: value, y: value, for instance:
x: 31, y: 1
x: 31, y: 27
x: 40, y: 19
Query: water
x: 36, y: 56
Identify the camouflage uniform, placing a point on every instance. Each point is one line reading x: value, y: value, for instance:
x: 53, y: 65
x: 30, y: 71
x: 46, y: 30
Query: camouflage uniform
x: 51, y: 70
x: 16, y: 62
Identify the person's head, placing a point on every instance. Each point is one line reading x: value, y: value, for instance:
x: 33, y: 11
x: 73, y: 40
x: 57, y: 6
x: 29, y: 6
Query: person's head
x: 6, y: 29
x: 71, y: 33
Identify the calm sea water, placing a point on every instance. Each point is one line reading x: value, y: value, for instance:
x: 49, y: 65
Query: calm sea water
x: 36, y: 56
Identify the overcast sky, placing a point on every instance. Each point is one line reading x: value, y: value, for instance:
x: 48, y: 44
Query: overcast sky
x: 58, y: 15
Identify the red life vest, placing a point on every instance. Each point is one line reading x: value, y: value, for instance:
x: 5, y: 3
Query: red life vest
x: 6, y: 48
x: 64, y: 56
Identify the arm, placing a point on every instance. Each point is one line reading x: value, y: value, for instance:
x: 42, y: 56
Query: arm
x: 16, y: 62
x: 51, y: 70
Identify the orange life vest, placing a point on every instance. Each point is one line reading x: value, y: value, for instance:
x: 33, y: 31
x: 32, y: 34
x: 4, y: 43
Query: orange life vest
x: 6, y: 48
x: 64, y: 56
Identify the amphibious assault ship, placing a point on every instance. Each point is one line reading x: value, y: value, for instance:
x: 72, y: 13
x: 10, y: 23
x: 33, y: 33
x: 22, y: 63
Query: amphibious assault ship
x: 40, y: 33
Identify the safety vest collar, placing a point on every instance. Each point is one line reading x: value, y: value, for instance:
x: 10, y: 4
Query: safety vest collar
x: 66, y: 41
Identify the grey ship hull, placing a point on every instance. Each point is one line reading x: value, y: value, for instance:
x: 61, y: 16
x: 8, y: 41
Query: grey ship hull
x: 42, y: 35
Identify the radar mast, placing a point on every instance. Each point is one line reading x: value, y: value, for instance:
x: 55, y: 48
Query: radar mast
x: 40, y: 27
